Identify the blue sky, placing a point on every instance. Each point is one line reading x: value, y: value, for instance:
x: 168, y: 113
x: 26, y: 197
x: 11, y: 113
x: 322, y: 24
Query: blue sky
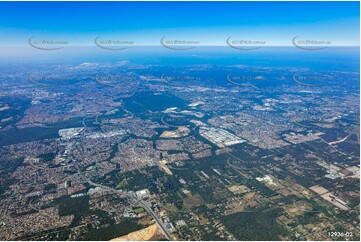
x: 208, y: 22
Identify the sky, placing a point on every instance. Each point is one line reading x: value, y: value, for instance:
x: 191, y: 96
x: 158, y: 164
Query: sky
x: 210, y: 23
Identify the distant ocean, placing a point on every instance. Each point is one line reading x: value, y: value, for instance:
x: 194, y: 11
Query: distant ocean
x: 332, y: 58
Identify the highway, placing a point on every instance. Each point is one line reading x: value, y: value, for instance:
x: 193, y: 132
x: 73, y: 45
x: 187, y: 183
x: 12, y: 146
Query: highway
x: 159, y: 221
x: 143, y: 204
x: 126, y: 194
